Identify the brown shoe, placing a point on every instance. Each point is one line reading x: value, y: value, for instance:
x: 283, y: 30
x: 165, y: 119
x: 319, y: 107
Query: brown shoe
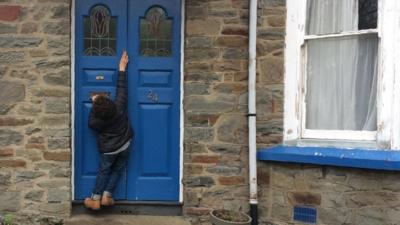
x: 92, y: 204
x: 107, y: 200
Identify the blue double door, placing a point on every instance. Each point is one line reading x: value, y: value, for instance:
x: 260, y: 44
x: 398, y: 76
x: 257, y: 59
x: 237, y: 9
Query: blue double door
x: 150, y: 31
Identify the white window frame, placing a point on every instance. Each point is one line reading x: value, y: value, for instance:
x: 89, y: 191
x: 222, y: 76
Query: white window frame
x: 387, y: 135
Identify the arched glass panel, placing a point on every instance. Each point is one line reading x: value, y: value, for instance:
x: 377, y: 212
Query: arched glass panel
x: 100, y: 32
x: 156, y: 34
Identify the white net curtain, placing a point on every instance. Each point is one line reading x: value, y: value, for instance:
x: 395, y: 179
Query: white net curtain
x: 341, y: 71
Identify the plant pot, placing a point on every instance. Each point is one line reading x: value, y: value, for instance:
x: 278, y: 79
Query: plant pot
x: 216, y: 220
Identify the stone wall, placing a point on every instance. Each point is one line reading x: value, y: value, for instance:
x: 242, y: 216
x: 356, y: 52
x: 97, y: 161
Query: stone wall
x: 35, y: 109
x: 215, y: 105
x: 340, y: 195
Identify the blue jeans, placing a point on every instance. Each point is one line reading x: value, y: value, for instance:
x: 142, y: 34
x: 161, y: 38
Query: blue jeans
x: 111, y: 168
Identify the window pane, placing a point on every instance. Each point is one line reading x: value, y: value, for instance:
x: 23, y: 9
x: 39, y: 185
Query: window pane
x: 156, y: 34
x: 336, y: 16
x: 368, y: 11
x: 341, y: 83
x: 99, y: 33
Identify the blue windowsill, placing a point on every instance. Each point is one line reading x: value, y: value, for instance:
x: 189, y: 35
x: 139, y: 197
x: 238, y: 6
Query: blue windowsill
x: 358, y: 158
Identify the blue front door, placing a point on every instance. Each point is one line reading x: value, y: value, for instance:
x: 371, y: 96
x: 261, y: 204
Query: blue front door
x: 150, y: 31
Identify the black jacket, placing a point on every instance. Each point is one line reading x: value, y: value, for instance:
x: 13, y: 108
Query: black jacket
x: 116, y: 131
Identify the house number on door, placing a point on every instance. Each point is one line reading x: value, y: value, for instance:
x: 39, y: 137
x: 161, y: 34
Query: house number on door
x: 152, y: 96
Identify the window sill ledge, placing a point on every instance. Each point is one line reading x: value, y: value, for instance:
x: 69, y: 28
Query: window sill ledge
x: 357, y: 158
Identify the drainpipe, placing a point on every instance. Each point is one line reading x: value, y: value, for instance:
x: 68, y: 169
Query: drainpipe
x: 252, y: 111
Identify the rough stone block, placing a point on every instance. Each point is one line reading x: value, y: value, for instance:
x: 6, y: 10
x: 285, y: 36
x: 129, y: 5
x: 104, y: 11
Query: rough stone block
x: 201, y: 181
x: 19, y: 42
x: 231, y: 180
x: 11, y: 57
x: 28, y: 175
x: 203, y: 27
x: 23, y: 74
x: 62, y: 78
x: 29, y: 28
x: 228, y: 66
x: 57, y: 105
x: 370, y: 216
x: 12, y: 163
x: 54, y: 183
x: 197, y: 211
x: 271, y: 33
x: 29, y: 109
x: 272, y: 3
x: 50, y: 92
x: 205, y: 159
x: 203, y: 77
x: 201, y: 120
x: 272, y: 70
x: 236, y: 30
x: 7, y: 29
x: 55, y: 208
x: 199, y: 134
x: 232, y: 129
x: 9, y: 12
x: 193, y: 169
x: 230, y: 88
x: 10, y: 137
x: 232, y: 41
x: 5, y: 152
x: 199, y: 42
x: 5, y: 178
x: 46, y: 64
x: 52, y: 121
x: 225, y: 149
x: 304, y: 198
x: 196, y: 88
x: 224, y: 170
x: 10, y: 201
x: 267, y: 47
x: 34, y: 195
x: 57, y: 28
x: 57, y: 195
x: 58, y: 143
x: 10, y: 121
x: 60, y: 173
x: 210, y: 104
x: 201, y: 54
x: 60, y: 12
x: 57, y: 156
x: 334, y: 216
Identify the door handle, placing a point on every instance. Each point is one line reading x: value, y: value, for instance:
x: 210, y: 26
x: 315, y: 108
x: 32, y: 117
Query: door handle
x: 100, y: 77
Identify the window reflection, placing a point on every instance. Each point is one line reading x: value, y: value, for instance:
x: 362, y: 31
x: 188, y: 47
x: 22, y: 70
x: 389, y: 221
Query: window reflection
x: 368, y: 14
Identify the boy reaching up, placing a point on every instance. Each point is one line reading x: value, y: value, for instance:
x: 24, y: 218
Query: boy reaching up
x: 114, y: 134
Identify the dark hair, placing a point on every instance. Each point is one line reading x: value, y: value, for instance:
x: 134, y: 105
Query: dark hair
x: 103, y: 107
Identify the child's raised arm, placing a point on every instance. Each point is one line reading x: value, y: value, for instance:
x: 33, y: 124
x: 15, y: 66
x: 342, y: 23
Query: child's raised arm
x: 122, y: 94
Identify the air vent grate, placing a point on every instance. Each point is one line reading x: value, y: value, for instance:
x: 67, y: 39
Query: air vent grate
x: 305, y: 214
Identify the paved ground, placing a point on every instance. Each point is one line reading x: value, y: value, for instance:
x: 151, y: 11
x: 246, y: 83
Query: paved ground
x: 125, y: 220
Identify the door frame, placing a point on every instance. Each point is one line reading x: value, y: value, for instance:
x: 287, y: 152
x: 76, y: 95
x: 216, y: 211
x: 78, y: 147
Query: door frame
x: 182, y: 119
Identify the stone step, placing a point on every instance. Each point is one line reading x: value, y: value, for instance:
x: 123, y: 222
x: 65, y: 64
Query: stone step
x: 125, y: 220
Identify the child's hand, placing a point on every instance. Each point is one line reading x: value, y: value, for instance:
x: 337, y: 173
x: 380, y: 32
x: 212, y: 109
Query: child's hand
x: 124, y: 61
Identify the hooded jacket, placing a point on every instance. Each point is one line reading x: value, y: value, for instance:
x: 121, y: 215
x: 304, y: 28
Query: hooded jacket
x: 114, y: 132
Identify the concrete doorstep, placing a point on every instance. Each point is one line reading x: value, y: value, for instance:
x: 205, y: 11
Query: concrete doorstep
x: 125, y: 220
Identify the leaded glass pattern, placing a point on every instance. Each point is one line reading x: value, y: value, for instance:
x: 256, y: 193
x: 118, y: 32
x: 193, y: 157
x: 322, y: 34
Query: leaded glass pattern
x: 100, y: 32
x: 156, y: 34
